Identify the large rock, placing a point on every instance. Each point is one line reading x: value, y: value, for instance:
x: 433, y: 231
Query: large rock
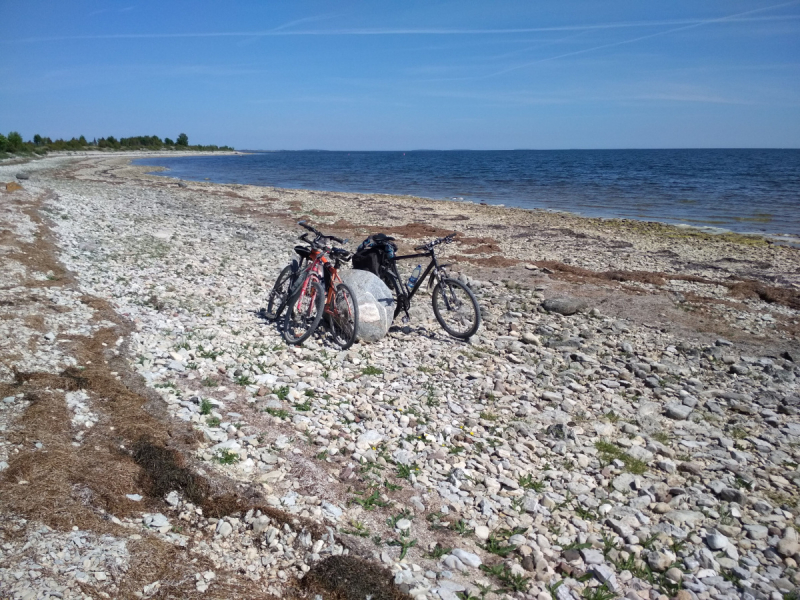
x: 375, y: 304
x: 564, y: 306
x: 679, y: 412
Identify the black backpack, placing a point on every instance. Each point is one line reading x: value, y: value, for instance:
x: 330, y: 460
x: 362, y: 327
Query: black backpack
x: 374, y: 252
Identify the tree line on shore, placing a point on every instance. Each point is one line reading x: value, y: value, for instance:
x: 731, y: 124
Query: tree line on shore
x: 14, y: 144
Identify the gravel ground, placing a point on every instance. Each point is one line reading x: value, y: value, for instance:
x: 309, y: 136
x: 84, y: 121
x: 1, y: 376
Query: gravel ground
x: 573, y: 448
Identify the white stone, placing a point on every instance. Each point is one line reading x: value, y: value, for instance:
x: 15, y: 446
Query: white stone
x: 368, y: 439
x: 375, y: 304
x: 468, y: 558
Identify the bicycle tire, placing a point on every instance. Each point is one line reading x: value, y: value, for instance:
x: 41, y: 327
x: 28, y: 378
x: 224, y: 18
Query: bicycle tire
x: 448, y: 300
x: 276, y: 301
x: 304, y: 312
x: 343, y: 323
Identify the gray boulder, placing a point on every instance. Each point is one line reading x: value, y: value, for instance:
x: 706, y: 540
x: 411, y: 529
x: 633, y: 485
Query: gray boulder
x: 564, y: 306
x: 679, y: 412
x: 375, y: 304
x: 22, y: 176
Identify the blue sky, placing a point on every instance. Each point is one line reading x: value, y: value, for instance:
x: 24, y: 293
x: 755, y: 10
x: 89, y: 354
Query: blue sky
x: 376, y: 75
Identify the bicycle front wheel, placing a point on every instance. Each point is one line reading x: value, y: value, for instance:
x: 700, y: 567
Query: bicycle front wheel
x: 456, y: 308
x: 276, y: 301
x: 343, y: 318
x: 304, y: 313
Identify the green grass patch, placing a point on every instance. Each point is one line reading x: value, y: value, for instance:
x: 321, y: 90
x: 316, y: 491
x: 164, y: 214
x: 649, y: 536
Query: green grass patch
x: 369, y: 502
x: 281, y: 413
x: 226, y: 457
x: 527, y: 482
x: 609, y: 452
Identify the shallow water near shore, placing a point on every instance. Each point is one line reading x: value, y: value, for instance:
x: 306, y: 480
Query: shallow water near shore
x: 746, y: 191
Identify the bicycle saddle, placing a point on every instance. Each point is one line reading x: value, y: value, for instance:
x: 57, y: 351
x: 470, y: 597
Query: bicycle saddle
x: 303, y: 251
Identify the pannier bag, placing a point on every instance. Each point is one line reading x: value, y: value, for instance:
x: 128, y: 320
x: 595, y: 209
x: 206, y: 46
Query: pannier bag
x: 375, y: 251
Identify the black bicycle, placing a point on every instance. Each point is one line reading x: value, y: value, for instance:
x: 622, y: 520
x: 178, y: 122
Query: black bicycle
x: 454, y: 304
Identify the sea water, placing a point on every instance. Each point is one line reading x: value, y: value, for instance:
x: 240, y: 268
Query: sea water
x: 739, y: 190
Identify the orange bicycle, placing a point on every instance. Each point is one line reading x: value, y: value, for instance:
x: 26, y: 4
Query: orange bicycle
x: 320, y: 293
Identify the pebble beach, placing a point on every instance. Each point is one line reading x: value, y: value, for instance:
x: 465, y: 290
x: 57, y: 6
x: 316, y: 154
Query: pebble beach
x: 624, y: 423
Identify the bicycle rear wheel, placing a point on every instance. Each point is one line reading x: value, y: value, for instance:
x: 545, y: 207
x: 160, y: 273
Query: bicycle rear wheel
x: 343, y: 318
x: 277, y: 298
x: 304, y: 312
x: 456, y: 308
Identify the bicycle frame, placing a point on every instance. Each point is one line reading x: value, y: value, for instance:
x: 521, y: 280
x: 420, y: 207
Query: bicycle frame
x: 330, y: 293
x: 318, y: 260
x: 433, y: 269
x: 432, y: 266
x: 315, y: 258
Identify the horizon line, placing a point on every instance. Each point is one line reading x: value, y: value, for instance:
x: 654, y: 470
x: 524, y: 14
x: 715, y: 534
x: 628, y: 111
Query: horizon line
x: 264, y: 150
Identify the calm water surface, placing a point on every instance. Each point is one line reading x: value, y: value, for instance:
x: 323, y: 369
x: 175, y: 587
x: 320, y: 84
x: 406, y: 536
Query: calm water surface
x: 740, y: 190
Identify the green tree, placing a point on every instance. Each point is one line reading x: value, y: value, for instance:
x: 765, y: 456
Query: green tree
x: 168, y: 142
x: 37, y: 139
x: 15, y: 143
x: 3, y: 143
x: 183, y: 140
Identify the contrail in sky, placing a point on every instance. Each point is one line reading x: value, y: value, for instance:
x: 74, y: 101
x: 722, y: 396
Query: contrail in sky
x: 738, y: 17
x: 283, y: 30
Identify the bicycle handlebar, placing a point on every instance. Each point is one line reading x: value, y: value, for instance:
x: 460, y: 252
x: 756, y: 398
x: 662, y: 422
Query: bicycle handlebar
x: 319, y: 234
x: 341, y: 254
x: 442, y: 240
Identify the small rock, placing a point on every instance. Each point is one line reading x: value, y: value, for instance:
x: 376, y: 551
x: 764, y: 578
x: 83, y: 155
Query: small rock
x: 530, y: 338
x: 674, y: 574
x: 623, y: 482
x: 260, y: 524
x: 224, y: 529
x: 717, y: 541
x: 469, y: 559
x: 788, y: 545
x: 332, y: 510
x: 660, y: 560
x: 592, y: 556
x: 605, y: 574
x: 368, y: 439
